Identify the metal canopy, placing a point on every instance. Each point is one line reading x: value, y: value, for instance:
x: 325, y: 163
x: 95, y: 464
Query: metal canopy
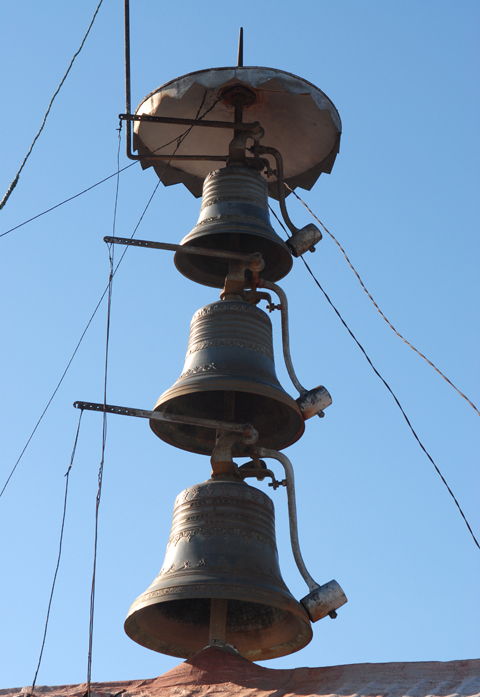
x: 299, y: 120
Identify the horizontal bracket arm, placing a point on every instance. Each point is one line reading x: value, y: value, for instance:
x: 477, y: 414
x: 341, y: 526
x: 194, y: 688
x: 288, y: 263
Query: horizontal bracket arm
x: 247, y: 430
x: 254, y: 259
x: 254, y: 127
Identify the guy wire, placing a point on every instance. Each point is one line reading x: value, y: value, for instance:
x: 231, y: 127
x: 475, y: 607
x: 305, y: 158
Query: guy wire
x: 376, y: 306
x: 17, y: 176
x: 67, y: 475
x: 100, y: 474
x: 104, y: 432
x: 110, y: 176
x: 179, y: 138
x: 387, y: 386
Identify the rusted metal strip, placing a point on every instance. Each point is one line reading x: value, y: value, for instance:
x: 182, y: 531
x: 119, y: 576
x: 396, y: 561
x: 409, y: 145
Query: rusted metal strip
x: 164, y: 158
x: 246, y: 429
x: 185, y: 249
x: 235, y: 125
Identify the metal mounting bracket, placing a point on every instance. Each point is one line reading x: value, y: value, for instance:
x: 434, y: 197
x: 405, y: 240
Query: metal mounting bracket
x: 246, y: 130
x: 253, y: 129
x: 254, y: 260
x: 249, y: 433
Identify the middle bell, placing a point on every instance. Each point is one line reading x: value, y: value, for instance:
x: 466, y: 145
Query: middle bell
x: 229, y: 375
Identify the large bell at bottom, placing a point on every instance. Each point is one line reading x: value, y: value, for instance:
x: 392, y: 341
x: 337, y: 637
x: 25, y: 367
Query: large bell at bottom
x: 229, y: 375
x: 222, y: 545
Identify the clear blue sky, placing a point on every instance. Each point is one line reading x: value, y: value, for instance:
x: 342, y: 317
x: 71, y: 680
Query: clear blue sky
x: 403, y: 201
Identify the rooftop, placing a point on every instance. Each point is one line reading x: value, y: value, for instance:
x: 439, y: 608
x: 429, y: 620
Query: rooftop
x: 218, y: 672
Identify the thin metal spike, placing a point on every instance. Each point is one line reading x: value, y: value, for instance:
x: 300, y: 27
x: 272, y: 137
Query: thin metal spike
x: 240, y: 48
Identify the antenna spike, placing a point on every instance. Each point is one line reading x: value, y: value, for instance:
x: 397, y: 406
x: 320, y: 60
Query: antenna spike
x: 240, y: 49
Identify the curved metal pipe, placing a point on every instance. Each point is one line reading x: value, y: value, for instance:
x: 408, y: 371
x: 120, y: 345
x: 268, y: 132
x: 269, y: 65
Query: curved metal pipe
x: 292, y: 512
x: 285, y: 334
x: 265, y: 150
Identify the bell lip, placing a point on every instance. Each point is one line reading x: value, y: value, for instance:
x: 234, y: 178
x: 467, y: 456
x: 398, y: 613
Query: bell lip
x: 269, y: 247
x: 303, y: 637
x: 222, y: 383
x: 218, y: 384
x: 212, y: 279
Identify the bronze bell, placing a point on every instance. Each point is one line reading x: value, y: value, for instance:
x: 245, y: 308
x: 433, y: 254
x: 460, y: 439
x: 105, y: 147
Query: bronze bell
x: 221, y: 552
x: 229, y: 375
x: 234, y: 216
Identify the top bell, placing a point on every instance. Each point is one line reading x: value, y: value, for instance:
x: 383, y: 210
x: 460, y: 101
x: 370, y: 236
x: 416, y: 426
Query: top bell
x: 234, y: 217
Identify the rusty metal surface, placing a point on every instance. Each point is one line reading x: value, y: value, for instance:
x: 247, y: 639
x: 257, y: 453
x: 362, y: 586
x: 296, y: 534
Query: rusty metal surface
x: 222, y: 545
x: 298, y: 119
x: 225, y: 674
x: 230, y: 349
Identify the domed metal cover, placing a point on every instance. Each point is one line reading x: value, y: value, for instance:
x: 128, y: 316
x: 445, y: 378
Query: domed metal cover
x: 229, y: 358
x: 234, y: 216
x: 299, y: 120
x: 222, y: 545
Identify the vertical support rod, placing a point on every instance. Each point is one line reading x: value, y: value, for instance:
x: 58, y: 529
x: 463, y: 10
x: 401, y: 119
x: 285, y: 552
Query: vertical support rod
x: 240, y: 49
x: 128, y: 103
x: 218, y: 619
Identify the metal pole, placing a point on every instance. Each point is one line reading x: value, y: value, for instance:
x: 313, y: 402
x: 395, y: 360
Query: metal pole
x: 128, y: 103
x: 127, y: 57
